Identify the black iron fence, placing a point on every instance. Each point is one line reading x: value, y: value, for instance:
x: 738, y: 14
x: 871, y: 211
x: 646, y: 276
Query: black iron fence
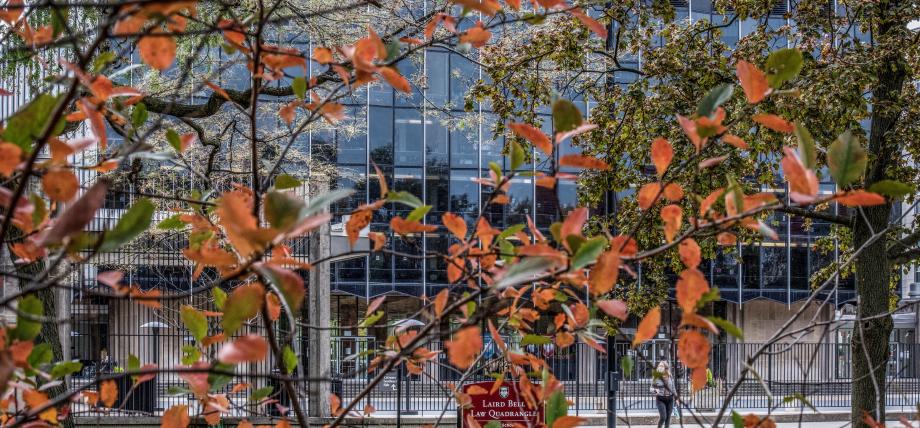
x: 819, y: 372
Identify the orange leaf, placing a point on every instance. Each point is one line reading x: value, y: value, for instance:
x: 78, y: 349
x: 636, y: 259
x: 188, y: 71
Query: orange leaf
x: 648, y: 195
x: 698, y: 379
x: 691, y: 286
x: 582, y: 161
x: 671, y: 216
x: 594, y: 26
x: 476, y: 36
x: 624, y: 244
x: 250, y: 348
x: 35, y: 400
x: 615, y: 308
x: 727, y: 238
x: 465, y: 346
x: 157, y: 51
x: 734, y: 140
x: 690, y: 130
x: 368, y: 409
x: 711, y: 162
x: 10, y: 158
x: 108, y: 393
x: 356, y: 223
x: 533, y: 135
x: 693, y: 349
x: 662, y: 153
x: 860, y: 198
x: 476, y: 390
x: 605, y: 272
x: 379, y: 240
x: 404, y: 227
x: 774, y: 122
x: 273, y: 302
x: 673, y: 192
x: 60, y: 185
x: 288, y: 111
x: 803, y: 183
x: 648, y: 327
x: 440, y: 302
x: 455, y: 224
x: 322, y: 55
x: 753, y: 81
x: 395, y: 79
x: 218, y: 90
x: 689, y: 252
x: 497, y: 338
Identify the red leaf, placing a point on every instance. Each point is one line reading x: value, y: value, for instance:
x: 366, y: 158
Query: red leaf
x: 753, y: 81
x: 605, y: 272
x: 396, y: 80
x: 648, y: 327
x: 734, y: 140
x: 251, y: 348
x: 689, y: 252
x: 648, y: 195
x: 77, y: 215
x: 594, y: 26
x: 455, y: 224
x: 691, y: 286
x: 465, y: 346
x: 582, y: 161
x: 662, y: 153
x: 157, y: 51
x: 774, y: 122
x: 615, y: 308
x: 60, y: 185
x: 671, y: 216
x: 175, y: 417
x: 533, y: 135
x: 860, y: 198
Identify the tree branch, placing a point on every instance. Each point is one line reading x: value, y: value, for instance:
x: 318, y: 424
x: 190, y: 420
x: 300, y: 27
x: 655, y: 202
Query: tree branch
x: 815, y: 215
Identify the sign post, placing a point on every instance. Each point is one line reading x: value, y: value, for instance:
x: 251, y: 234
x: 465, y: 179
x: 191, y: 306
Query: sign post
x: 503, y: 406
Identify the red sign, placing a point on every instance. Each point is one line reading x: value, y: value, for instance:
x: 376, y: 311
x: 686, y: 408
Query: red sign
x: 503, y: 406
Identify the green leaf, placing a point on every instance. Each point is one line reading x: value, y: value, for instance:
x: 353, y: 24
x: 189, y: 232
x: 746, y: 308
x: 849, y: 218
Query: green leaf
x: 139, y: 115
x: 846, y: 159
x: 134, y: 363
x: 807, y: 151
x: 190, y: 355
x: 535, y: 339
x: 524, y: 271
x: 172, y: 137
x: 218, y: 381
x: 566, y: 116
x: 171, y: 223
x: 799, y: 397
x: 131, y: 224
x: 40, y: 211
x: 517, y: 155
x: 737, y: 420
x: 710, y: 296
x: 626, y: 365
x: 405, y: 198
x: 26, y: 329
x: 393, y: 47
x: 728, y: 326
x: 320, y: 202
x: 283, y: 209
x: 29, y: 122
x: 290, y: 360
x: 783, y: 65
x: 418, y: 213
x: 41, y: 354
x: 496, y: 168
x: 299, y: 85
x: 65, y: 368
x: 511, y: 230
x: 556, y: 407
x: 588, y: 252
x: 220, y: 297
x: 891, y: 188
x: 260, y: 394
x: 371, y: 320
x: 59, y: 20
x: 715, y: 98
x: 493, y: 424
x: 195, y: 321
x: 102, y: 60
x: 285, y: 181
x: 240, y: 306
x: 507, y: 250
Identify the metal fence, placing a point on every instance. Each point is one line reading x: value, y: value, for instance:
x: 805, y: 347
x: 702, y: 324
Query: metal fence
x: 818, y: 371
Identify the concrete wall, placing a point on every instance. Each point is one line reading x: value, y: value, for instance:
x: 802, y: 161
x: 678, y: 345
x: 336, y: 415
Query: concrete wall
x: 760, y: 319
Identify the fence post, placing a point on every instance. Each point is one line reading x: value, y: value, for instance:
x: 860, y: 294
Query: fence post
x: 613, y: 382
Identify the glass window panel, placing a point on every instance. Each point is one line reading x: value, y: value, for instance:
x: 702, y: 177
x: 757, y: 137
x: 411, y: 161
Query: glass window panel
x: 491, y: 144
x: 437, y: 193
x: 380, y: 94
x: 798, y: 266
x: 435, y: 142
x: 773, y: 264
x: 407, y: 267
x: 464, y: 193
x: 750, y: 256
x: 464, y: 143
x: 520, y: 204
x: 409, y: 68
x: 408, y: 180
x: 437, y: 64
x: 381, y: 135
x: 436, y: 267
x: 725, y: 270
x: 408, y: 137
x: 352, y: 137
x: 463, y: 74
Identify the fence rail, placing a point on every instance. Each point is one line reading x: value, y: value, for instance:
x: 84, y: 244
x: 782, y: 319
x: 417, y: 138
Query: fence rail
x: 818, y: 371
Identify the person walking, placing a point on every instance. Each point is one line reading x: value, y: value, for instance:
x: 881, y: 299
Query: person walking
x: 663, y: 388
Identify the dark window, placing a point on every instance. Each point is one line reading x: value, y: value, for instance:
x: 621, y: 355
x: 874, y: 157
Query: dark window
x: 381, y: 135
x: 408, y: 137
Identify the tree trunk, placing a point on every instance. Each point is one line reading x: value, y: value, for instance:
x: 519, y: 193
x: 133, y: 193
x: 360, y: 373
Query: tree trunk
x: 319, y: 313
x: 870, y: 350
